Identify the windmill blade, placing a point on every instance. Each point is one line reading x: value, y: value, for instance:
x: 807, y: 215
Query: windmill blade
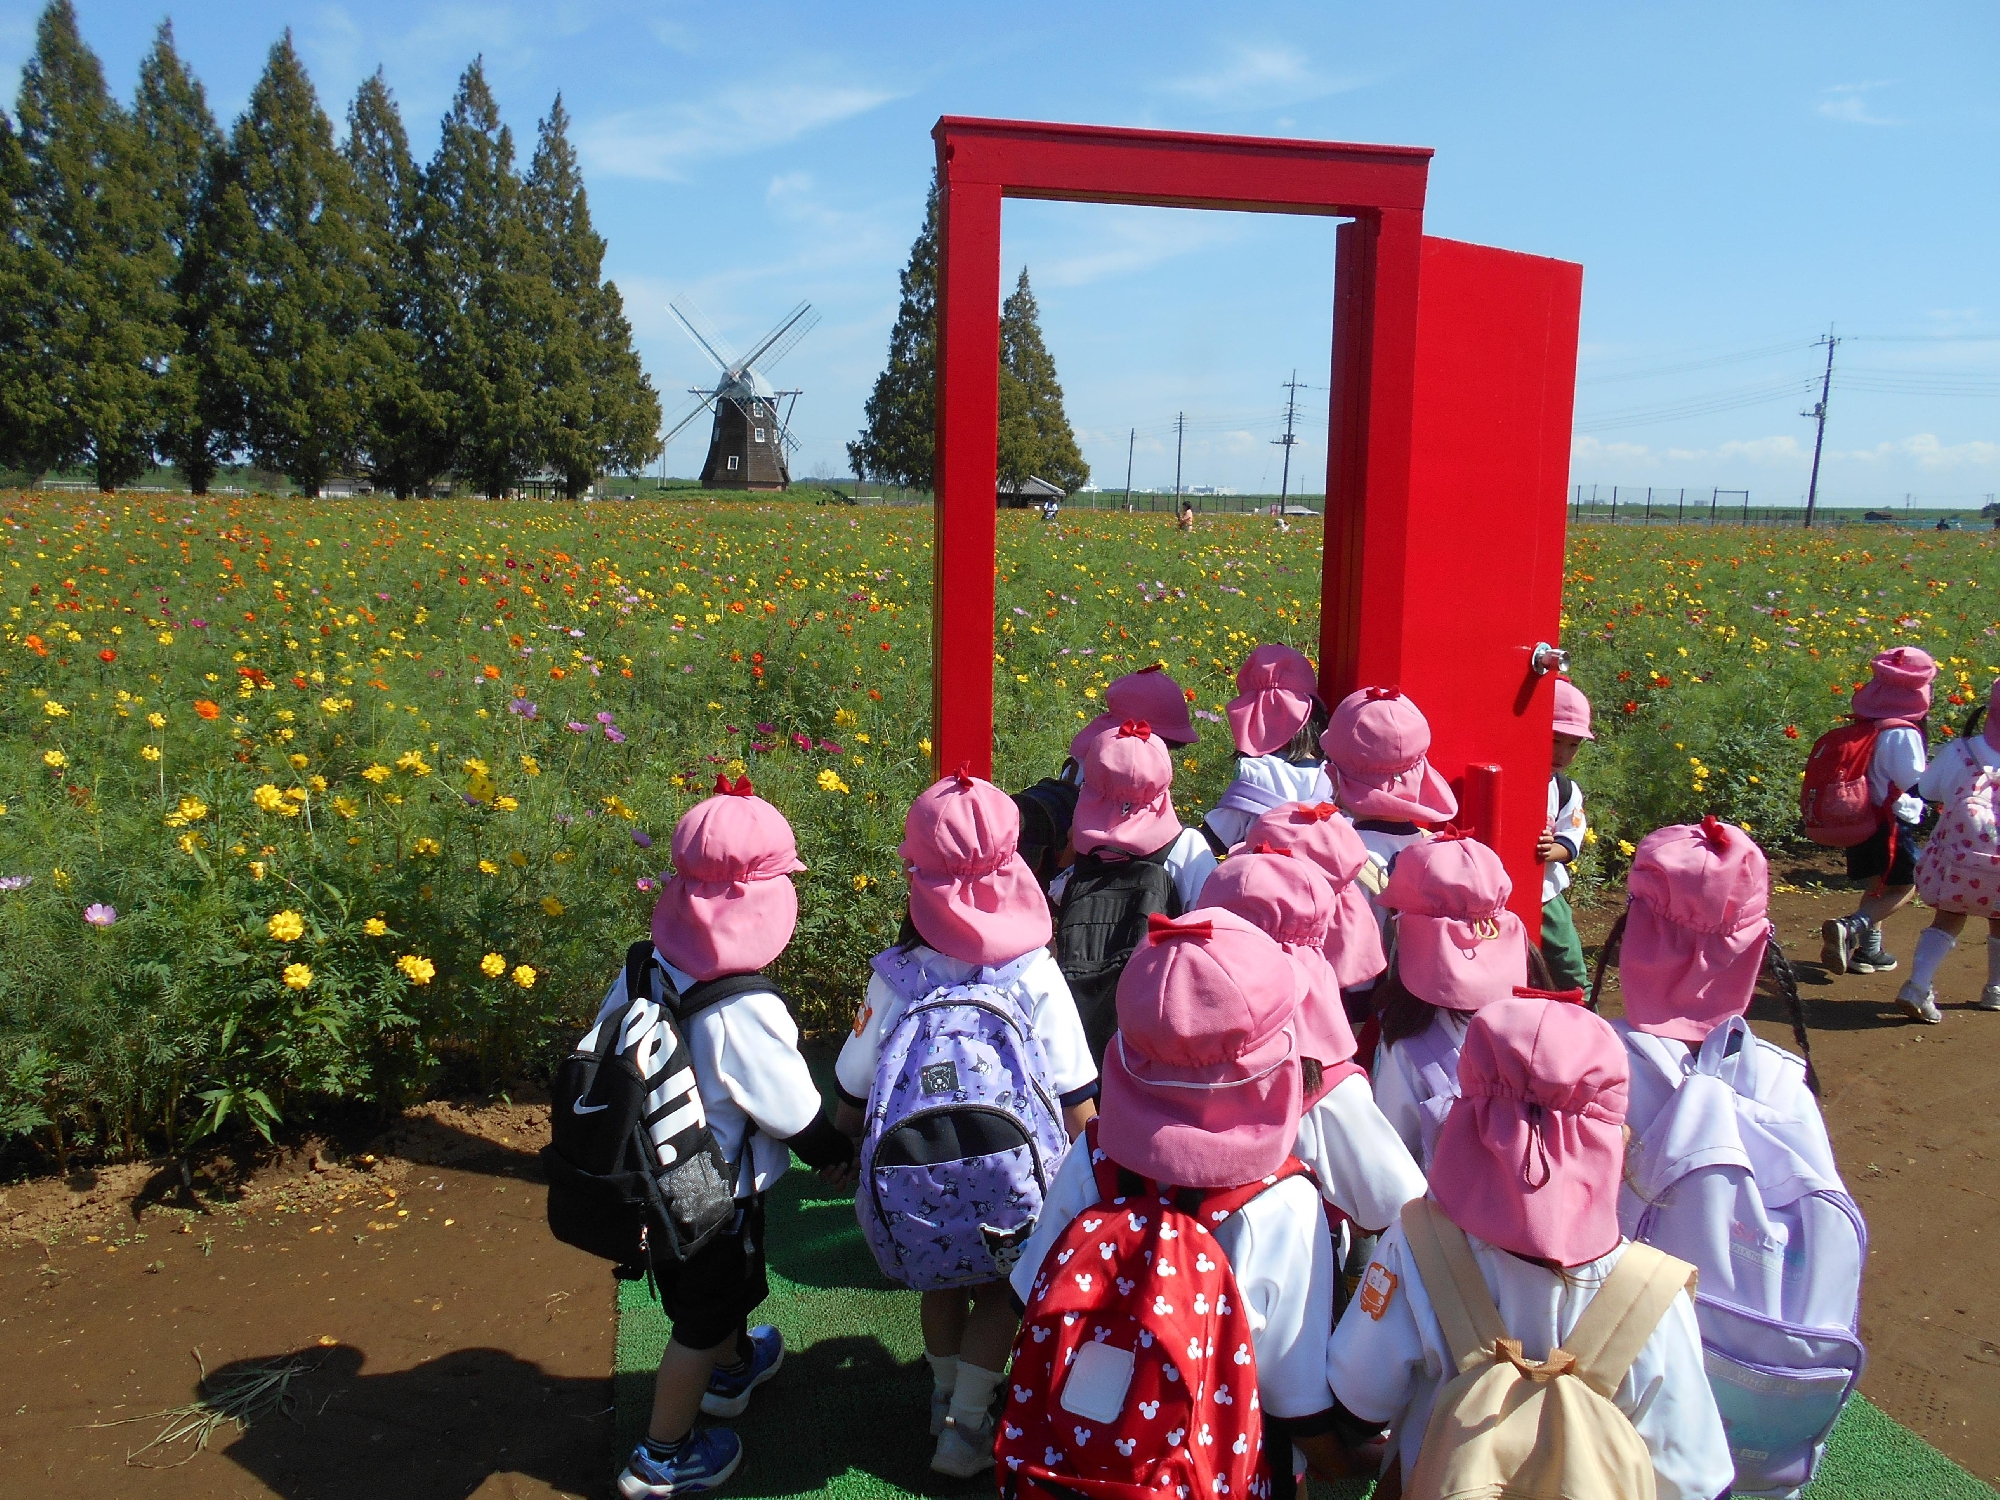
x: 702, y: 331
x: 790, y: 327
x: 790, y: 341
x: 694, y: 409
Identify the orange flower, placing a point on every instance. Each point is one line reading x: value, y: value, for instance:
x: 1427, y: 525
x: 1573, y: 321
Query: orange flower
x: 107, y: 656
x: 34, y: 644
x: 492, y: 674
x: 204, y: 709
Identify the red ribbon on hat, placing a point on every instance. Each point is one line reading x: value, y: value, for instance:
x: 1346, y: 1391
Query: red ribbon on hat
x: 963, y: 775
x: 1567, y: 997
x: 1267, y: 848
x: 1319, y: 812
x: 1451, y: 833
x: 741, y: 789
x: 1135, y: 729
x: 1377, y: 694
x: 1160, y: 927
x: 1158, y: 666
x: 1715, y: 831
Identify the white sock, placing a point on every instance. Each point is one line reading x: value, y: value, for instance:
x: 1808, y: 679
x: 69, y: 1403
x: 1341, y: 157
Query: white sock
x: 944, y: 1373
x: 1993, y: 960
x: 976, y: 1387
x: 1933, y: 943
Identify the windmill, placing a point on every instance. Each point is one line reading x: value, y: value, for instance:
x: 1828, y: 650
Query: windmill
x: 750, y: 443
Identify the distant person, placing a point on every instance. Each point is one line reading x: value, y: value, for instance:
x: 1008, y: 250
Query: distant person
x: 1562, y: 839
x: 1958, y: 875
x: 1187, y: 515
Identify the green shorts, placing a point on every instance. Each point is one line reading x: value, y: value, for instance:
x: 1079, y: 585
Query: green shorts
x: 1562, y: 949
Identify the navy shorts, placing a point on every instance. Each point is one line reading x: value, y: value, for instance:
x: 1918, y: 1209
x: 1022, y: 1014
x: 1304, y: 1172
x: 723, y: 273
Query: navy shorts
x: 708, y: 1297
x: 1888, y: 856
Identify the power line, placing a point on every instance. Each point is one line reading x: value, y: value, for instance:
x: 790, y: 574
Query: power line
x: 1291, y: 388
x: 1819, y: 414
x: 1695, y: 406
x: 1767, y: 351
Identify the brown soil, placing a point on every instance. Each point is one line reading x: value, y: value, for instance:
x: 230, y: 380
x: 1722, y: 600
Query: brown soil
x: 445, y: 1359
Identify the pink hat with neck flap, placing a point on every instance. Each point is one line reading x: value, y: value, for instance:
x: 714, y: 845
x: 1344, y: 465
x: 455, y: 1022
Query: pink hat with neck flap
x: 1572, y: 710
x: 1127, y: 801
x: 1201, y: 1080
x: 1457, y: 944
x: 1899, y: 686
x: 1321, y: 833
x: 1275, y: 691
x: 1696, y: 928
x: 1531, y: 1155
x: 972, y: 896
x: 1376, y: 744
x: 728, y: 908
x: 1148, y: 695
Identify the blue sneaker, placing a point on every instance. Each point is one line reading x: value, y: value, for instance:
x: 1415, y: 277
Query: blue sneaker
x: 710, y: 1457
x: 729, y: 1391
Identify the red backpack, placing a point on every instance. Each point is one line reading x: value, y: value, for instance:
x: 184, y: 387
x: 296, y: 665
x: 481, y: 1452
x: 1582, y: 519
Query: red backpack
x: 1834, y: 803
x: 1134, y: 1372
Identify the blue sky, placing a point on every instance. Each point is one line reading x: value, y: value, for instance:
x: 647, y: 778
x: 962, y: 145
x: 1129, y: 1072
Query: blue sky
x: 1733, y: 178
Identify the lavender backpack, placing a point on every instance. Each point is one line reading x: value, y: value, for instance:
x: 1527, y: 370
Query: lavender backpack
x: 1436, y: 1057
x: 963, y: 1134
x: 1736, y: 1176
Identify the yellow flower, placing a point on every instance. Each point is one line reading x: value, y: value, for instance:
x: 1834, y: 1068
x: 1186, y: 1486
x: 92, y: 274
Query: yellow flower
x: 829, y: 781
x: 299, y: 762
x: 333, y: 705
x: 524, y: 976
x: 412, y: 762
x: 347, y: 807
x: 256, y: 869
x: 480, y: 789
x: 1627, y: 848
x: 166, y: 637
x: 375, y: 927
x: 845, y: 718
x: 298, y: 977
x: 417, y: 970
x: 530, y: 766
x: 427, y: 848
x: 286, y: 926
x: 61, y: 877
x: 54, y: 759
x: 505, y: 804
x: 924, y: 746
x: 54, y: 709
x: 493, y: 966
x: 317, y: 783
x: 487, y: 867
x: 269, y: 798
x: 517, y: 859
x: 190, y: 842
x: 157, y: 720
x: 552, y: 906
x: 1090, y: 692
x: 862, y: 882
x: 377, y: 774
x: 477, y: 767
x: 149, y: 752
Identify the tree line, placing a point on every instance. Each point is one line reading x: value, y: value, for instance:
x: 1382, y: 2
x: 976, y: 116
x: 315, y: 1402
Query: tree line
x: 322, y: 307
x: 897, y: 443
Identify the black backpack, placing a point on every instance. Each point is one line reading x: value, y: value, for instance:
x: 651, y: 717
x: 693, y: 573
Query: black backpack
x: 1103, y: 920
x: 635, y: 1176
x: 1047, y: 810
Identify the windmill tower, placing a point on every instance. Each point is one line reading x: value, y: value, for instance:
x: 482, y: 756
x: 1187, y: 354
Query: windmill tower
x: 750, y: 443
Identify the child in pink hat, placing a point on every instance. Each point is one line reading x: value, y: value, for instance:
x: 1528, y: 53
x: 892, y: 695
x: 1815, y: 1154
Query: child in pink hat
x: 1202, y: 1089
x: 1320, y: 832
x: 1897, y: 700
x: 1377, y: 746
x: 1361, y: 1166
x: 1134, y: 859
x: 976, y: 917
x: 1562, y: 840
x: 728, y: 910
x: 1276, y: 718
x: 1528, y: 1168
x: 1457, y: 949
x: 1959, y: 873
x: 1148, y: 695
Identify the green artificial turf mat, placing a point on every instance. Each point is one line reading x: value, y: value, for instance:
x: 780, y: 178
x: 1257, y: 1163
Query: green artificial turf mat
x: 1873, y: 1457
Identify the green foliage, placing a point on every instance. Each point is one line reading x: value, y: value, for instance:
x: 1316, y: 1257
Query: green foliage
x: 1035, y: 435
x: 896, y: 444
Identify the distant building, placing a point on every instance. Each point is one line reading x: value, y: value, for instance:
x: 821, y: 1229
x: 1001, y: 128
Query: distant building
x: 1031, y: 491
x: 1877, y: 515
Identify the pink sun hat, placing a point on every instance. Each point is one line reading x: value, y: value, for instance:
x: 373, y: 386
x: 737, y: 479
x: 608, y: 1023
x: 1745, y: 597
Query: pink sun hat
x: 1147, y: 695
x: 1287, y: 899
x: 1457, y: 944
x: 1201, y: 1080
x: 1375, y: 748
x: 1696, y: 928
x: 1127, y: 801
x: 1572, y: 710
x: 1899, y: 687
x: 972, y: 896
x: 1275, y: 691
x: 1531, y: 1155
x: 1321, y: 833
x: 728, y: 908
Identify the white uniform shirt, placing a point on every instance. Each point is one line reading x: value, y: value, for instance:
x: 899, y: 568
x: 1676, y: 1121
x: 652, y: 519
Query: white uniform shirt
x: 754, y: 1085
x: 1389, y: 1367
x: 1362, y: 1167
x: 1567, y: 824
x: 1262, y: 783
x: 1898, y: 762
x: 1040, y: 990
x: 1282, y: 1255
x: 1189, y: 861
x: 1936, y: 778
x: 1400, y: 1089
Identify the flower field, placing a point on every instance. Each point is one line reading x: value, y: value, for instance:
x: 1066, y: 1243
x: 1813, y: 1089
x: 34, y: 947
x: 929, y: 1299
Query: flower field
x: 313, y: 800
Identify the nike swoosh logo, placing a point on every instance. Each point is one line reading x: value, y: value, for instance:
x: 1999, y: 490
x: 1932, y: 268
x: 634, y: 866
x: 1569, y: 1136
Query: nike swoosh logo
x: 587, y: 1109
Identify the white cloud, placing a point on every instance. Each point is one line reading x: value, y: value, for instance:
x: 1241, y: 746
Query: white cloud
x: 1848, y: 103
x: 1123, y: 241
x: 664, y: 141
x: 1262, y: 77
x: 1781, y: 452
x: 1926, y: 452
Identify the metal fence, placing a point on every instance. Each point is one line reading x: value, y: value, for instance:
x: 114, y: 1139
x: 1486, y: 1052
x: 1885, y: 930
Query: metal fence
x: 1648, y: 505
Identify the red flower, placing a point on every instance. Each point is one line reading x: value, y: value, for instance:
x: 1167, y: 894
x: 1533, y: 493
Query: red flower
x: 1626, y: 675
x: 107, y: 656
x: 1663, y: 681
x: 1791, y: 731
x: 203, y: 709
x: 1630, y: 706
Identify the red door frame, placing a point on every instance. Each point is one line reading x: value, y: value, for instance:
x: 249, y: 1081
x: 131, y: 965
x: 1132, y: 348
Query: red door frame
x: 1370, y: 509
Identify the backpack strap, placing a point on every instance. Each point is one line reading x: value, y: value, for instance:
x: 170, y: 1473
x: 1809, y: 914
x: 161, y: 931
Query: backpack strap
x: 1464, y: 1307
x: 699, y: 997
x: 1565, y: 789
x: 1623, y: 1315
x: 639, y: 970
x: 1210, y: 1206
x: 1215, y: 844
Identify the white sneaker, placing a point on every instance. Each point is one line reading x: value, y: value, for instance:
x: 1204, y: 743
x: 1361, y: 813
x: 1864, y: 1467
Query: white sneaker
x: 1989, y: 998
x: 1919, y: 1005
x: 940, y: 1409
x: 963, y: 1452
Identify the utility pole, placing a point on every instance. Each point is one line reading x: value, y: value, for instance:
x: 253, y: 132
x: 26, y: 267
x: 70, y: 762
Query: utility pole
x: 1129, y: 441
x: 1180, y: 427
x: 1291, y: 414
x: 1819, y: 414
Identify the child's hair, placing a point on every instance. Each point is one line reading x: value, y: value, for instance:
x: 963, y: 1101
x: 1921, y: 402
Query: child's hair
x: 1303, y: 748
x: 1974, y: 722
x: 908, y: 939
x: 1310, y: 1073
x: 1777, y: 973
x: 1404, y: 1015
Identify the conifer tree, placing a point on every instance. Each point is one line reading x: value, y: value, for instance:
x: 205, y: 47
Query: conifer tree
x: 403, y: 438
x: 596, y: 408
x: 301, y: 315
x: 198, y: 416
x: 88, y: 263
x: 898, y: 444
x: 485, y: 293
x: 1035, y: 435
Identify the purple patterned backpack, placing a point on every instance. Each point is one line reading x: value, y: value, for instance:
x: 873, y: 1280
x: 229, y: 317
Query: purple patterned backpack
x: 963, y: 1132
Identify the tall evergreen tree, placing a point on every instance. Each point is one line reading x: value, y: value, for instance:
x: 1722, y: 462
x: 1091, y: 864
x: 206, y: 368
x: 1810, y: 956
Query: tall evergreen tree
x: 1035, y: 435
x: 897, y: 446
x: 404, y: 433
x: 197, y: 415
x: 486, y: 293
x: 89, y: 262
x: 301, y: 311
x: 596, y: 408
